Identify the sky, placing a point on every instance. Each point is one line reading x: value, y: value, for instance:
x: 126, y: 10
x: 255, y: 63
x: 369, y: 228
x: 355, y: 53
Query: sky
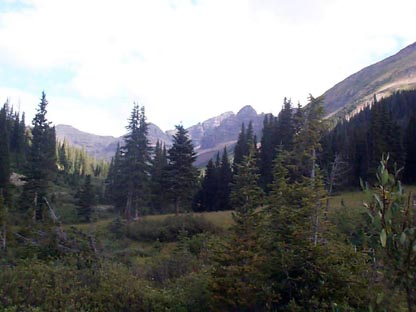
x: 186, y: 60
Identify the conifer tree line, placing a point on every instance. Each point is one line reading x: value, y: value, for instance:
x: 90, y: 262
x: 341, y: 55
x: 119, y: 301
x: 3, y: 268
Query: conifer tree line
x: 357, y: 145
x: 33, y: 155
x: 283, y: 252
x: 346, y: 152
x: 144, y: 180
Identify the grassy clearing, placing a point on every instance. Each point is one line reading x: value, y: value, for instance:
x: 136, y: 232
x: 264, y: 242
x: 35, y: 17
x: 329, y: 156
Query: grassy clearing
x: 222, y: 219
x: 351, y: 201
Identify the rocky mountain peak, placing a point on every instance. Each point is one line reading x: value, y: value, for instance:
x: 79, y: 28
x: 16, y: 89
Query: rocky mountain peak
x: 247, y: 112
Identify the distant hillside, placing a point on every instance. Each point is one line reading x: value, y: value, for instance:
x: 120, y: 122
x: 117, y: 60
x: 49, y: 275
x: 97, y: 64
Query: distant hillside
x: 209, y: 136
x: 103, y: 147
x: 397, y: 72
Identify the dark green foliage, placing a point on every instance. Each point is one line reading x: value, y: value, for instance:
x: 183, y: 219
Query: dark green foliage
x: 41, y: 161
x: 128, y: 179
x: 236, y: 278
x: 159, y: 167
x: 3, y: 223
x: 209, y: 187
x: 214, y: 194
x: 115, y: 190
x: 362, y: 139
x: 180, y: 175
x: 277, y: 132
x: 86, y: 200
x: 267, y: 150
x: 244, y: 143
x: 4, y: 151
x: 170, y: 229
x: 225, y: 180
x: 117, y: 228
x: 136, y: 164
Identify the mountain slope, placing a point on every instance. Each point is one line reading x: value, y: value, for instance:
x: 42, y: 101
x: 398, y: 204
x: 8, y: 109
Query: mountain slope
x: 397, y: 72
x: 208, y: 137
x: 104, y: 147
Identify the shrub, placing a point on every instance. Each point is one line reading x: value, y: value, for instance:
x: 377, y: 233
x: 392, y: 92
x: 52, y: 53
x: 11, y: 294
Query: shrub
x: 169, y: 229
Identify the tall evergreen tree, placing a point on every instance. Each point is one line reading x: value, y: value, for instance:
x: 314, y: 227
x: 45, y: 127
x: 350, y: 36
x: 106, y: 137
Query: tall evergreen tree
x: 4, y: 152
x: 62, y: 157
x: 86, y: 200
x: 42, y: 161
x: 136, y: 164
x: 224, y: 183
x: 285, y: 126
x: 181, y: 174
x: 244, y: 143
x: 209, y: 188
x: 115, y: 189
x: 159, y: 165
x: 267, y: 150
x: 237, y: 281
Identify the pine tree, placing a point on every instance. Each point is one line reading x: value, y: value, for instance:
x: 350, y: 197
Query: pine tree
x: 244, y: 143
x: 86, y: 200
x: 224, y: 183
x: 236, y: 279
x: 4, y: 152
x: 42, y: 161
x: 181, y: 176
x: 267, y: 150
x: 209, y: 187
x: 159, y: 165
x: 136, y: 164
x: 285, y: 126
x: 63, y: 158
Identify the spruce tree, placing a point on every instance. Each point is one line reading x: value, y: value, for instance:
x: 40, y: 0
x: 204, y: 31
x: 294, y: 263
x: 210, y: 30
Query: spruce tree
x: 209, y: 188
x: 86, y: 200
x: 285, y: 126
x: 159, y: 165
x: 42, y: 161
x: 239, y: 148
x: 136, y: 164
x: 267, y: 151
x: 63, y: 158
x: 246, y: 140
x: 236, y: 278
x: 181, y: 175
x: 4, y: 152
x: 224, y: 183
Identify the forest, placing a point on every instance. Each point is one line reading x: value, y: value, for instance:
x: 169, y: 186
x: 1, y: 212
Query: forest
x: 311, y: 216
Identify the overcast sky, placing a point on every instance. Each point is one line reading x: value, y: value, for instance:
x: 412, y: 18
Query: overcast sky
x: 186, y: 61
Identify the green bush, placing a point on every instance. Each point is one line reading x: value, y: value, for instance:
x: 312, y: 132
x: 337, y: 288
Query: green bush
x: 169, y: 229
x: 37, y: 286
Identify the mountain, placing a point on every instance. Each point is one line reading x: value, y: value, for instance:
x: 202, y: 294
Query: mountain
x: 397, y: 72
x: 214, y: 134
x: 208, y: 137
x: 104, y: 147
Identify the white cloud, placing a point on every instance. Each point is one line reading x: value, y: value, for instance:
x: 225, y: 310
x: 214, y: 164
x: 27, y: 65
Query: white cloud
x: 188, y: 62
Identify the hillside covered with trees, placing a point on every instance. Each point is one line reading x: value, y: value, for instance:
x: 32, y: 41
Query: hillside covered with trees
x: 77, y: 234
